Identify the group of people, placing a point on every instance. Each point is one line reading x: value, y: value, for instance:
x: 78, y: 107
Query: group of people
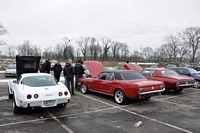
x: 69, y: 72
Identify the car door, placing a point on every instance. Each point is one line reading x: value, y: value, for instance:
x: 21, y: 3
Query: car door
x: 103, y: 82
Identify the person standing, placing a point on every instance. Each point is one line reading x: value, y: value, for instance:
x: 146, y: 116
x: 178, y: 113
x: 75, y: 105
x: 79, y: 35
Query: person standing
x: 46, y: 67
x: 57, y: 68
x: 69, y: 74
x: 79, y: 70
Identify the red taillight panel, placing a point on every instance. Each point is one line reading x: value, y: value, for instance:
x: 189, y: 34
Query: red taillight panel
x: 36, y: 96
x: 29, y: 96
x: 60, y: 94
x: 66, y: 93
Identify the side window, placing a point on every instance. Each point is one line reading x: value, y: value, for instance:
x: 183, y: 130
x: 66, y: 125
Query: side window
x: 147, y: 72
x: 105, y: 76
x: 182, y: 72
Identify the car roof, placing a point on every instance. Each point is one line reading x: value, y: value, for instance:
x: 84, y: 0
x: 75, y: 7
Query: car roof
x: 35, y: 74
x: 155, y: 69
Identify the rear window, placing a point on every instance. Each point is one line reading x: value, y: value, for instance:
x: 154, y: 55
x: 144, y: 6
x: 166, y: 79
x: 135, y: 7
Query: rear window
x: 11, y: 67
x: 39, y: 81
x: 132, y: 76
x: 169, y: 73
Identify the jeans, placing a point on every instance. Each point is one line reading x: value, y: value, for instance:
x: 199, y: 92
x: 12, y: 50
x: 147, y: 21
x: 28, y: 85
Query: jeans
x: 65, y: 81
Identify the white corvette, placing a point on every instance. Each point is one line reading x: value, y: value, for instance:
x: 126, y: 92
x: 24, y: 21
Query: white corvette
x: 37, y: 90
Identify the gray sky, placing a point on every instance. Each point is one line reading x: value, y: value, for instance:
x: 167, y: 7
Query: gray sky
x: 137, y: 23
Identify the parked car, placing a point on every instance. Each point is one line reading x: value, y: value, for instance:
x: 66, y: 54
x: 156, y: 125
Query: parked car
x: 170, y: 65
x: 194, y: 67
x: 10, y: 71
x: 32, y: 89
x: 188, y: 72
x: 122, y: 84
x: 172, y: 80
x: 153, y: 66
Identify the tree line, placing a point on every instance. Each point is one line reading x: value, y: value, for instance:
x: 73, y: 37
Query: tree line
x: 179, y: 47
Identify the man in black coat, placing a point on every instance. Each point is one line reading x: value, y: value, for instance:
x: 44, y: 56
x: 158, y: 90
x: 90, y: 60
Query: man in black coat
x: 57, y: 68
x: 79, y: 70
x: 46, y: 67
x: 69, y: 74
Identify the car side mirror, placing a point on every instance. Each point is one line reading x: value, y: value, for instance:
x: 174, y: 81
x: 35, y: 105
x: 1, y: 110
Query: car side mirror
x: 14, y: 81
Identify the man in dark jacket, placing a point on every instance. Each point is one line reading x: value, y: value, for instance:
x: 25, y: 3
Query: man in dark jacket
x: 57, y: 68
x: 46, y: 67
x: 69, y: 74
x: 79, y: 70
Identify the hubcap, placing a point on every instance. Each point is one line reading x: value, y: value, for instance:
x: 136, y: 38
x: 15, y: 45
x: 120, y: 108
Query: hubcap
x: 119, y: 97
x: 83, y: 88
x: 196, y: 84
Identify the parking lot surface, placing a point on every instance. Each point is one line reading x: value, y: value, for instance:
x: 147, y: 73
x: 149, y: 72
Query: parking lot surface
x: 97, y: 113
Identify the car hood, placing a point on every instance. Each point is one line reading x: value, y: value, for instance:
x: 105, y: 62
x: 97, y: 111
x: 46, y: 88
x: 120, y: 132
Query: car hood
x: 94, y: 67
x: 27, y: 64
x: 134, y: 67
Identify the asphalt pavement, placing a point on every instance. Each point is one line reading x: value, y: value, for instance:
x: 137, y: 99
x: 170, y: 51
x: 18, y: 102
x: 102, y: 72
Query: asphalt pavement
x: 97, y: 113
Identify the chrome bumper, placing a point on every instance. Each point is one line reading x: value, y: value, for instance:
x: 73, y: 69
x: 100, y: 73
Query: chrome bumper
x: 150, y: 92
x: 185, y: 85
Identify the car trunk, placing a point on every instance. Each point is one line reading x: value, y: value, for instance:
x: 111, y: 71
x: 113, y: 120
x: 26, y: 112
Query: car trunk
x: 27, y: 64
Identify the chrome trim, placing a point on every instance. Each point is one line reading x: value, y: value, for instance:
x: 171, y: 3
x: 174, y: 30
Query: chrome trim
x: 186, y: 85
x: 149, y: 92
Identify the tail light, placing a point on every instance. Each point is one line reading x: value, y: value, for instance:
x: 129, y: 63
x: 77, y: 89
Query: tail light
x: 162, y: 87
x: 66, y: 93
x: 36, y: 96
x: 60, y: 94
x: 29, y: 96
x: 141, y: 89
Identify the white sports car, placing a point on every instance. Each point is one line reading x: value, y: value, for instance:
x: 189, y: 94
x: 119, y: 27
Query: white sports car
x: 36, y: 90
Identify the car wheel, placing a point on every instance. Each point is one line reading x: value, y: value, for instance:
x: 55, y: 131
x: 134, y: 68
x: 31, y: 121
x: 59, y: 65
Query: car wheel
x: 84, y: 88
x: 196, y: 84
x: 146, y: 98
x: 178, y: 90
x: 120, y: 97
x: 16, y: 109
x: 62, y: 105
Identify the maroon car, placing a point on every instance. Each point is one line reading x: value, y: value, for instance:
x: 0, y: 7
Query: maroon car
x: 172, y: 80
x: 122, y: 84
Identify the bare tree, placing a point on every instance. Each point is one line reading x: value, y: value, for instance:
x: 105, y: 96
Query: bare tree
x: 172, y: 42
x: 48, y: 52
x: 91, y: 47
x: 183, y: 50
x: 67, y: 53
x: 147, y: 52
x: 124, y: 50
x: 105, y: 45
x: 11, y: 51
x: 36, y: 50
x: 25, y: 48
x: 2, y: 30
x: 83, y: 44
x: 191, y: 36
x: 115, y: 47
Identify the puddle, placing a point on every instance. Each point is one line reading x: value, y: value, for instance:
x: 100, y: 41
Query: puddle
x: 4, y: 98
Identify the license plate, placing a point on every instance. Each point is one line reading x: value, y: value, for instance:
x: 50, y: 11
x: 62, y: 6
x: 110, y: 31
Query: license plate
x: 49, y: 103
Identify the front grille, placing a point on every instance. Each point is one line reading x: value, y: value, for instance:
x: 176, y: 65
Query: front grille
x: 186, y: 82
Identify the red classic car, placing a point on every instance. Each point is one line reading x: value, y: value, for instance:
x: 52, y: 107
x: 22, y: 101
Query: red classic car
x: 122, y: 84
x: 172, y: 80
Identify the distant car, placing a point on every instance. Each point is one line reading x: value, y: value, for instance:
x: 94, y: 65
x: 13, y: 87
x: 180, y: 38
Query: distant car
x: 194, y: 67
x: 172, y: 80
x: 10, y: 71
x: 153, y: 66
x: 170, y: 65
x: 32, y: 89
x: 122, y: 84
x: 188, y: 72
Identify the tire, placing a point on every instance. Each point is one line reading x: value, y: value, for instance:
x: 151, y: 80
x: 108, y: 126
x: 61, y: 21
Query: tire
x: 178, y: 90
x: 146, y: 98
x: 10, y: 96
x: 84, y: 88
x: 196, y: 84
x: 16, y: 109
x: 62, y: 105
x: 120, y: 97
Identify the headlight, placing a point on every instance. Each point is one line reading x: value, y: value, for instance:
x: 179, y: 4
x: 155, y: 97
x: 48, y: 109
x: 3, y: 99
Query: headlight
x: 141, y: 89
x: 162, y: 87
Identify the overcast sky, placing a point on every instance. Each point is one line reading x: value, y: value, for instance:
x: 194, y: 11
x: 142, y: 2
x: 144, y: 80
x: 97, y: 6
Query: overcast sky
x: 138, y: 23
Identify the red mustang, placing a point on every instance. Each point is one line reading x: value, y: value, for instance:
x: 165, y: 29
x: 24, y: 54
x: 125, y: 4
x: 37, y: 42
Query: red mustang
x: 122, y: 84
x: 172, y: 80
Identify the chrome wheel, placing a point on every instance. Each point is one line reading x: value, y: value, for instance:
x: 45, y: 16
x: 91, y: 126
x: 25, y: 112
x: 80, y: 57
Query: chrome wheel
x: 196, y: 84
x: 84, y: 88
x: 120, y: 97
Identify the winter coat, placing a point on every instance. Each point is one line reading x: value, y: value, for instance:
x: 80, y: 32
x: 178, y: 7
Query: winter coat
x: 79, y: 70
x: 68, y: 71
x: 57, y: 68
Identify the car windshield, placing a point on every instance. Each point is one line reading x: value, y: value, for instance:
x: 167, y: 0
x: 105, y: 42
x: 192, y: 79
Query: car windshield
x: 39, y: 81
x: 171, y: 65
x: 193, y: 71
x: 11, y: 67
x: 169, y: 73
x: 132, y: 76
